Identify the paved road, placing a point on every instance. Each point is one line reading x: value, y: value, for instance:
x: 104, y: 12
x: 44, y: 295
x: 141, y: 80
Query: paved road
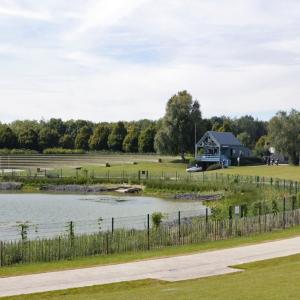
x: 170, y: 269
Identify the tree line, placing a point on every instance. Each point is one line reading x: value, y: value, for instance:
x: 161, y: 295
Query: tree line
x: 175, y: 133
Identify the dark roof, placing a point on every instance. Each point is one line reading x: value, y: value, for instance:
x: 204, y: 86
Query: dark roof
x: 225, y: 138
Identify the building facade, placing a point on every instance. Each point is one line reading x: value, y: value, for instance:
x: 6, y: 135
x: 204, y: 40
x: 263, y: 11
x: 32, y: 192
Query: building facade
x: 220, y: 147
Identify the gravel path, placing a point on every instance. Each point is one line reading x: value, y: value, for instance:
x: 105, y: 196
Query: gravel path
x: 170, y: 269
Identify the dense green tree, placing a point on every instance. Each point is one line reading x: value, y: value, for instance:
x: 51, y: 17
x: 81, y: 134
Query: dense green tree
x: 18, y: 126
x: 146, y: 140
x: 66, y: 141
x: 176, y: 135
x: 199, y: 125
x: 82, y: 138
x: 99, y: 138
x: 226, y: 127
x: 8, y: 138
x: 73, y: 127
x: 116, y: 137
x: 262, y: 146
x: 28, y: 139
x: 284, y: 133
x: 48, y: 138
x: 245, y: 139
x: 58, y: 125
x: 130, y: 142
x: 254, y: 128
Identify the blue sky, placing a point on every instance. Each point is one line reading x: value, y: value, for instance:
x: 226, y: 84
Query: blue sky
x: 108, y: 60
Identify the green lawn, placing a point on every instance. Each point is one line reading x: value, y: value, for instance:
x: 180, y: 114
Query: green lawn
x: 134, y: 256
x: 119, y: 169
x: 169, y: 168
x: 284, y: 172
x: 271, y: 279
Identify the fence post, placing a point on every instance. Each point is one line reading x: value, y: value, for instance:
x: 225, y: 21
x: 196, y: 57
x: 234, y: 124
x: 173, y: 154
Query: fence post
x: 59, y: 254
x: 148, y: 231
x: 230, y: 220
x: 259, y: 216
x: 179, y: 232
x: 107, y: 243
x: 206, y: 222
x: 112, y: 225
x: 1, y: 254
x: 294, y: 202
x: 284, y: 203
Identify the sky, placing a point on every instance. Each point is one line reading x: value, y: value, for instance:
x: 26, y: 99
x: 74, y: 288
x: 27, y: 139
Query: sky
x: 109, y: 60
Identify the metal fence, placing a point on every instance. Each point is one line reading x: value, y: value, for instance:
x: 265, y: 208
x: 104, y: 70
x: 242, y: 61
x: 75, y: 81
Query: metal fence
x: 192, y: 230
x: 31, y: 231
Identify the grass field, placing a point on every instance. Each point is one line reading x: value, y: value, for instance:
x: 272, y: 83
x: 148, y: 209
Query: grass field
x: 270, y: 279
x: 283, y: 172
x: 171, y: 168
x: 23, y: 269
x: 119, y: 169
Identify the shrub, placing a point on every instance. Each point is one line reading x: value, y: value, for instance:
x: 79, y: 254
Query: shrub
x: 63, y: 151
x: 248, y: 161
x: 17, y: 151
x: 192, y: 162
x: 157, y: 218
x: 214, y: 167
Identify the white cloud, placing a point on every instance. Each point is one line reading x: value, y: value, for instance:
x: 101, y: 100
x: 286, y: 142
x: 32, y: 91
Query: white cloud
x: 12, y: 9
x: 122, y: 59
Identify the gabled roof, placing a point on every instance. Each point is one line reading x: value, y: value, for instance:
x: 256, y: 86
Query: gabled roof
x: 224, y: 138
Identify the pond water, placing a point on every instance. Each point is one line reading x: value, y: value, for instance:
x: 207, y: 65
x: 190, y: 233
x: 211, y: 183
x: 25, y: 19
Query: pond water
x: 48, y: 214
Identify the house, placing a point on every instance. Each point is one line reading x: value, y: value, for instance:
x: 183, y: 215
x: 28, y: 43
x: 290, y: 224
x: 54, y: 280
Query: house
x: 219, y: 147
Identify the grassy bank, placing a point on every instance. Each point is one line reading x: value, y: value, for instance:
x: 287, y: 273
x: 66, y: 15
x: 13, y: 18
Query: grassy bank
x: 270, y: 279
x: 134, y: 256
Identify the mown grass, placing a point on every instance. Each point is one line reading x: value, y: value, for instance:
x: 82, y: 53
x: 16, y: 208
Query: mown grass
x: 164, y: 168
x: 270, y: 279
x: 284, y: 172
x: 22, y: 269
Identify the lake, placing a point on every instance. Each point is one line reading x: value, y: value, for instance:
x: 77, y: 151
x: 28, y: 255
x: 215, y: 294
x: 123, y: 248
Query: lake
x: 47, y: 214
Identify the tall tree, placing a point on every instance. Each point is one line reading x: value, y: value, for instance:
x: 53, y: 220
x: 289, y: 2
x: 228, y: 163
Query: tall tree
x: 48, y: 138
x: 177, y: 133
x: 28, y: 139
x: 99, y: 138
x: 284, y: 133
x: 146, y: 139
x: 66, y: 141
x: 245, y: 139
x: 130, y: 143
x: 8, y: 138
x: 58, y: 125
x: 82, y: 138
x: 116, y: 137
x: 196, y: 117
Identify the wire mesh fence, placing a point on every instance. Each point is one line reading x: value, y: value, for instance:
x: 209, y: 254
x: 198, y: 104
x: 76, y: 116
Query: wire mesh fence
x: 182, y: 230
x: 28, y: 230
